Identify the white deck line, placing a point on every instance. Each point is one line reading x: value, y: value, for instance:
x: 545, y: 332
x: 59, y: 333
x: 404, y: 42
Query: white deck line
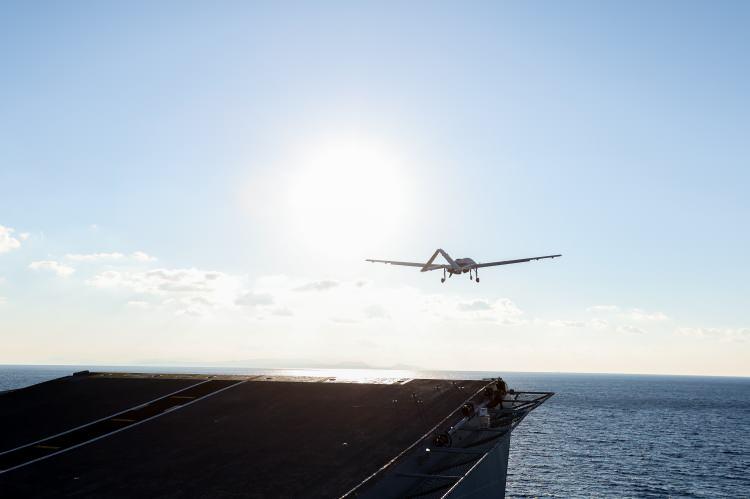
x: 119, y: 429
x: 102, y: 419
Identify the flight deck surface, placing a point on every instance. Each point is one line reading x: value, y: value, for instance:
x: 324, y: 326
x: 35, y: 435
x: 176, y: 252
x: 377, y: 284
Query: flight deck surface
x: 135, y: 435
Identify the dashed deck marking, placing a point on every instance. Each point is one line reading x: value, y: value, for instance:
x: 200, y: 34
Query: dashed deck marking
x: 115, y: 423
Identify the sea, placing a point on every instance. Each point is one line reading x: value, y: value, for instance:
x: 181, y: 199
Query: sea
x: 600, y: 435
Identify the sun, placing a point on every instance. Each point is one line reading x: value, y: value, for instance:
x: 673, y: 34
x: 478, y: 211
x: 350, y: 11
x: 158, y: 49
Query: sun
x: 348, y: 195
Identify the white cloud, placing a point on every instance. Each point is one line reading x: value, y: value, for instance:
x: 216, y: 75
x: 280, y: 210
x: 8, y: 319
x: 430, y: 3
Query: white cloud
x: 593, y: 323
x: 52, y: 266
x: 190, y: 292
x: 641, y: 315
x: 502, y: 311
x: 140, y: 304
x: 251, y: 299
x: 343, y: 320
x: 137, y: 256
x: 474, y: 306
x: 376, y: 312
x: 323, y: 285
x: 3, y: 300
x: 626, y: 329
x: 564, y: 323
x: 506, y: 308
x: 140, y: 256
x: 282, y: 312
x: 634, y: 313
x: 160, y: 281
x: 195, y: 306
x: 598, y: 323
x: 725, y: 334
x: 7, y: 241
x: 603, y: 308
x: 94, y: 257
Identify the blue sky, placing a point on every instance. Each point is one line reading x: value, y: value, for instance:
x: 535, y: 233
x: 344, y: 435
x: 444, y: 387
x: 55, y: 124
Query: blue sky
x: 272, y: 147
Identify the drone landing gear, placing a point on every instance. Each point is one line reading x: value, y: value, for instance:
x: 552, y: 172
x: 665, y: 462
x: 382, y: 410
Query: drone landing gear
x: 476, y: 273
x: 443, y: 279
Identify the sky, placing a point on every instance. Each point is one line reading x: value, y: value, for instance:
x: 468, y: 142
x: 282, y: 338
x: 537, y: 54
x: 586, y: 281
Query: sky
x: 185, y: 182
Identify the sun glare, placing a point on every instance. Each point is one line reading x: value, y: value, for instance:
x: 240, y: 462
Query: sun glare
x: 348, y: 196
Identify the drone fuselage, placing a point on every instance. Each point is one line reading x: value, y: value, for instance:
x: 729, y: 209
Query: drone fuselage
x: 464, y: 266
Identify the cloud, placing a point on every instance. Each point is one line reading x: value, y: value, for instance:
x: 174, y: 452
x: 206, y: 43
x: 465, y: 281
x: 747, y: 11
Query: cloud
x: 506, y: 308
x: 598, y: 323
x: 474, y: 306
x: 603, y: 308
x: 593, y: 323
x: 52, y: 266
x: 630, y: 330
x: 7, y: 241
x: 343, y: 320
x: 564, y: 323
x: 282, y: 312
x: 725, y: 334
x: 194, y: 306
x: 3, y: 300
x: 641, y: 315
x: 501, y: 311
x: 376, y: 312
x: 634, y: 313
x: 139, y: 304
x: 323, y: 285
x: 188, y: 292
x: 140, y: 256
x: 137, y: 256
x: 160, y: 281
x: 251, y: 299
x: 94, y: 257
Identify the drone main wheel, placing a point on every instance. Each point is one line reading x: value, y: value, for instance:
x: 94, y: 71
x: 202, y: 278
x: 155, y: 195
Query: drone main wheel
x: 442, y: 279
x: 477, y: 279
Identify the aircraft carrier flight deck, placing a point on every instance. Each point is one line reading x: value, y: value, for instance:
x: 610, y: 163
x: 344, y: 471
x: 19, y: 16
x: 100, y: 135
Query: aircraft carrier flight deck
x: 161, y: 435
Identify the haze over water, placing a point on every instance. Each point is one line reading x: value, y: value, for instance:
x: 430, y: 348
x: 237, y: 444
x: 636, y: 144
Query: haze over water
x: 600, y: 435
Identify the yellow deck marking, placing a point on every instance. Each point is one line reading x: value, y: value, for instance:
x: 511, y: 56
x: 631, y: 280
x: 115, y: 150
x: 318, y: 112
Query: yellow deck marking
x: 123, y: 420
x: 50, y: 447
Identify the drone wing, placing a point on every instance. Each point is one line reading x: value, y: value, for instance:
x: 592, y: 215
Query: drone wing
x: 413, y: 264
x: 508, y: 262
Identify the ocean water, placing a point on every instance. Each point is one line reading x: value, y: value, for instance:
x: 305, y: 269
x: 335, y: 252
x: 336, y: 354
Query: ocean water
x: 599, y: 436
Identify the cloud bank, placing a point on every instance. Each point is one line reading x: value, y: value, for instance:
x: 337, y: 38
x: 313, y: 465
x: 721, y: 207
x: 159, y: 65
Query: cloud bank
x: 52, y: 266
x: 8, y: 241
